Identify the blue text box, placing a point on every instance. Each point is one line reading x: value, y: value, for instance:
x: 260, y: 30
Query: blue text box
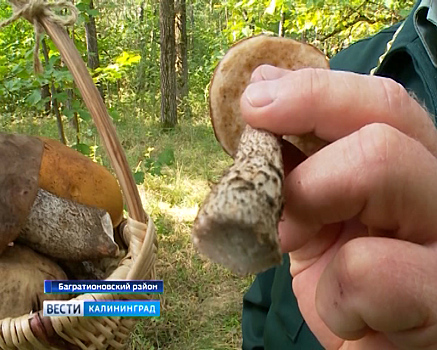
x: 98, y: 286
x: 85, y: 308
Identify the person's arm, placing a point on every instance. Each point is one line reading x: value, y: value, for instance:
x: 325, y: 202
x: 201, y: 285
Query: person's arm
x: 256, y: 305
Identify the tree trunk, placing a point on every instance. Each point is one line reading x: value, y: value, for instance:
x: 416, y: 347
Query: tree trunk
x: 192, y: 29
x: 55, y: 104
x: 281, y: 29
x: 91, y: 42
x: 142, y: 66
x: 168, y: 72
x: 153, y: 87
x: 181, y: 49
x: 45, y: 92
x: 141, y: 18
x: 74, y: 121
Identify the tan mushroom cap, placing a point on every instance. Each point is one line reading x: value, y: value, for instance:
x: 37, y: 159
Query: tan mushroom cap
x: 22, y: 275
x: 233, y: 74
x: 69, y: 174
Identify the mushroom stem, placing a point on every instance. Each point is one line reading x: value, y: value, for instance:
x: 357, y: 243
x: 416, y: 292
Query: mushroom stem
x: 237, y: 225
x: 68, y: 230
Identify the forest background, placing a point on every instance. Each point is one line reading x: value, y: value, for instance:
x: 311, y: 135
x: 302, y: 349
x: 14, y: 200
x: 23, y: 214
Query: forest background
x: 152, y: 62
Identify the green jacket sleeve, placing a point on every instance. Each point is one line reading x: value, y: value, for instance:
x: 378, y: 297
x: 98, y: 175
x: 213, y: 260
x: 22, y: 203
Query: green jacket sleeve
x: 271, y: 316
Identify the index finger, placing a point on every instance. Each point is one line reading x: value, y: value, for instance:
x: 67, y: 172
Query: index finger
x: 333, y: 104
x: 378, y: 175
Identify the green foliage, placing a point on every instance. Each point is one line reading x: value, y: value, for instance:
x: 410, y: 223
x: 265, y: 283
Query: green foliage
x: 128, y: 42
x: 118, y: 70
x: 128, y: 39
x: 331, y: 25
x: 83, y: 148
x: 139, y: 177
x: 154, y: 164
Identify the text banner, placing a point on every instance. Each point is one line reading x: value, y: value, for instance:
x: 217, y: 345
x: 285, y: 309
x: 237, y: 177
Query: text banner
x: 84, y: 308
x: 112, y: 287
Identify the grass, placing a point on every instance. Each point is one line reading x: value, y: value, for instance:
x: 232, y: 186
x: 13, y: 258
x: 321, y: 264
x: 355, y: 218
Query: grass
x: 201, y: 304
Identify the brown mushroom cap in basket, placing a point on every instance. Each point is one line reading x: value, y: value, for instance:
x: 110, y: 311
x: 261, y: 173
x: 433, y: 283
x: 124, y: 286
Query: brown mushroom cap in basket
x: 20, y: 159
x: 22, y: 275
x: 69, y: 174
x: 232, y: 76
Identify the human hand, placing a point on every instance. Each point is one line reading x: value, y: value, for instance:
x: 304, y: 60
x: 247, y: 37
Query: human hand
x: 360, y: 219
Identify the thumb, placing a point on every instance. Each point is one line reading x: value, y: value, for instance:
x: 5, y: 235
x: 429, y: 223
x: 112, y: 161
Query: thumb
x: 267, y: 72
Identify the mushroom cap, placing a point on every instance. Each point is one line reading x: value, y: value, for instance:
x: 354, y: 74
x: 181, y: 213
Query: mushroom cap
x: 69, y: 174
x: 20, y: 159
x: 22, y: 275
x: 233, y: 73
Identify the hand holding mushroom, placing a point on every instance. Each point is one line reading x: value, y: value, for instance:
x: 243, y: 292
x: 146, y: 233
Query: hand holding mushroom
x: 359, y: 216
x: 237, y: 224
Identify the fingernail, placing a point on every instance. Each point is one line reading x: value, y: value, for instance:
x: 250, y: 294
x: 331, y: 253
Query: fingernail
x: 259, y: 94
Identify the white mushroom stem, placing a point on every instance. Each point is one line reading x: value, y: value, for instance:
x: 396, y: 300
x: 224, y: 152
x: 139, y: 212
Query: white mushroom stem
x: 237, y: 225
x: 68, y: 230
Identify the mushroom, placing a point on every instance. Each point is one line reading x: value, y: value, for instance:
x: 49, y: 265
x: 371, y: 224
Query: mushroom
x: 69, y: 174
x: 22, y: 275
x: 56, y: 200
x: 67, y: 230
x: 237, y: 225
x: 20, y: 157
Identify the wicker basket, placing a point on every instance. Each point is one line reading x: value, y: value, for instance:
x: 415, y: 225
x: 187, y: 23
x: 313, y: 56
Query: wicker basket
x: 35, y: 331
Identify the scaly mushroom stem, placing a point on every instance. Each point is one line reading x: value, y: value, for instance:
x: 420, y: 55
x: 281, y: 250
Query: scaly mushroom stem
x: 237, y: 226
x: 64, y: 229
